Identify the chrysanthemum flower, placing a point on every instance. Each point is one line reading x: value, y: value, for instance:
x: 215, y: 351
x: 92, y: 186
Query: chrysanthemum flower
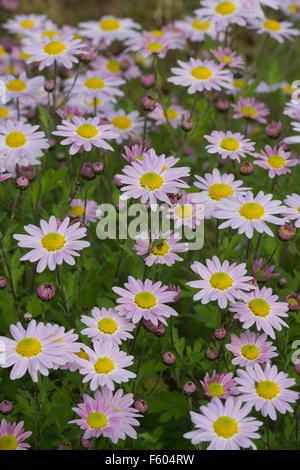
x: 94, y: 85
x: 21, y: 144
x: 85, y: 210
x: 249, y: 108
x: 216, y: 188
x: 276, y: 160
x: 119, y: 66
x: 8, y: 111
x: 161, y: 250
x: 105, y: 325
x: 67, y: 341
x: 266, y: 389
x: 187, y: 211
x: 31, y: 350
x: 105, y: 366
x: 229, y: 144
x: 248, y: 213
x: 222, y: 282
x: 106, y: 414
x: 225, y: 425
x: 24, y: 88
x: 52, y: 245
x: 251, y: 347
x: 278, y: 30
x: 260, y: 308
x: 174, y: 115
x: 228, y: 58
x: 12, y: 436
x: 85, y: 133
x: 109, y: 29
x: 125, y: 125
x: 295, y: 139
x: 145, y: 300
x: 199, y: 75
x: 218, y: 385
x: 195, y: 28
x: 148, y: 44
x: 151, y: 179
x: 25, y: 24
x: 61, y: 50
x: 223, y: 13
x: 292, y: 211
x: 134, y: 152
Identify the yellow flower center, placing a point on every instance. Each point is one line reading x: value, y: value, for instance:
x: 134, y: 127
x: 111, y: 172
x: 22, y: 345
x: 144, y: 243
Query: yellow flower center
x: 151, y: 181
x: 249, y: 111
x: 15, y: 139
x: 82, y: 355
x: 219, y: 191
x: 252, y: 210
x: 24, y: 56
x: 110, y: 24
x: 201, y: 26
x: 226, y: 427
x: 184, y: 211
x: 94, y: 83
x: 171, y: 114
x: 288, y: 89
x: 225, y: 59
x: 27, y: 24
x: 157, y: 32
x: 16, y: 85
x: 93, y: 102
x: 238, y: 83
x: 276, y: 161
x: 77, y: 211
x: 201, y: 73
x: 97, y: 420
x: 267, y: 389
x: 221, y: 281
x: 225, y: 8
x: 2, y: 51
x: 53, y: 241
x: 87, y: 131
x: 4, y: 112
x: 29, y: 347
x: 160, y: 249
x: 145, y: 300
x: 55, y: 48
x: 154, y: 47
x: 8, y: 442
x: 51, y: 33
x: 230, y: 143
x: 108, y: 326
x: 259, y: 307
x: 113, y: 66
x: 215, y: 389
x: 250, y: 351
x: 272, y: 25
x: 104, y: 365
x: 122, y: 122
x: 298, y: 209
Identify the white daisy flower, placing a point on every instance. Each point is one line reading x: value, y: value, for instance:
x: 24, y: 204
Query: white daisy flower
x: 126, y: 125
x: 24, y: 89
x: 223, y: 13
x: 278, y: 30
x: 109, y: 29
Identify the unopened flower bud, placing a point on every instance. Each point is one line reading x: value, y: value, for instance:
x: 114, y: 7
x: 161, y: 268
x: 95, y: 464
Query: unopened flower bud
x: 148, y: 102
x: 49, y: 86
x: 3, y: 282
x: 141, y: 405
x: 274, y: 129
x: 148, y: 80
x: 98, y: 168
x: 87, y: 171
x: 6, y: 407
x: 168, y: 358
x: 211, y: 353
x: 246, y: 168
x: 189, y: 388
x: 22, y: 182
x: 220, y: 333
x: 187, y: 125
x: 286, y: 232
x: 46, y: 291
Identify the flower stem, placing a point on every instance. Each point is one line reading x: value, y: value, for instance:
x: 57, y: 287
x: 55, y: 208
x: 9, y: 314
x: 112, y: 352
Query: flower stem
x: 63, y: 296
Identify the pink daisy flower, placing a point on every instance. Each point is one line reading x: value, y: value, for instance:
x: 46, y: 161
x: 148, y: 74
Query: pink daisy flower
x: 151, y: 179
x: 125, y: 125
x: 260, y: 308
x: 218, y: 385
x: 94, y: 85
x: 25, y: 24
x: 187, y: 211
x: 85, y: 133
x: 229, y: 144
x: 106, y: 414
x: 52, y: 245
x: 292, y: 211
x: 276, y: 160
x: 222, y: 282
x: 24, y: 89
x: 266, y: 389
x: 58, y: 49
x: 248, y: 213
x: 174, y: 115
x: 228, y: 58
x: 12, y: 436
x: 249, y: 108
x: 109, y: 29
x: 31, y: 350
x: 225, y: 425
x: 86, y: 211
x: 105, y: 325
x: 67, y: 341
x: 148, y: 44
x: 106, y: 366
x: 223, y: 13
x: 216, y: 188
x: 133, y: 153
x: 145, y: 300
x: 278, y: 30
x: 199, y: 75
x: 195, y: 28
x: 162, y: 249
x: 250, y: 348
